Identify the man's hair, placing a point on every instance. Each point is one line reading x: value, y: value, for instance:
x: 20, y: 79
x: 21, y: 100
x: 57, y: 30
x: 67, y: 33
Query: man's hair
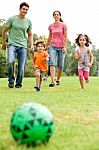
x: 24, y: 4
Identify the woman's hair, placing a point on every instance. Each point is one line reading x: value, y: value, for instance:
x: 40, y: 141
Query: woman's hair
x: 59, y: 14
x: 24, y: 4
x: 87, y: 40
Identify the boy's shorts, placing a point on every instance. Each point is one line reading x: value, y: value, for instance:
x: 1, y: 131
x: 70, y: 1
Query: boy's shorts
x: 42, y: 73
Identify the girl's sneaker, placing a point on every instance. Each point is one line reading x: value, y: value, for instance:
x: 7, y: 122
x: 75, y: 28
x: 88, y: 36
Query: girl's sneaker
x: 87, y: 81
x: 37, y: 88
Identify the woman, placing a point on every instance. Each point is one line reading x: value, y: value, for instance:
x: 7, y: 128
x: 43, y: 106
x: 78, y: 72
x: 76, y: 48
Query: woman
x: 56, y: 44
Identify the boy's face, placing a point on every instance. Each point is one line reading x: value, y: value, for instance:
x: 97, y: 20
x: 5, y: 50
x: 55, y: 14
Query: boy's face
x: 40, y: 47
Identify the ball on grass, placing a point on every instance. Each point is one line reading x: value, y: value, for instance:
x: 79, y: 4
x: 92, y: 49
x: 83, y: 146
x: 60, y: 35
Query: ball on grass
x: 32, y: 124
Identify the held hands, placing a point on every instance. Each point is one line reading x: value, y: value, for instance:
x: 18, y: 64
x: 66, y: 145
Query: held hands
x: 4, y: 45
x: 31, y: 49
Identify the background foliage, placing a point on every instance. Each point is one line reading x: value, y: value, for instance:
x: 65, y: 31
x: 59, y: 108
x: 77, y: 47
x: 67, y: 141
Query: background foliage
x: 70, y: 65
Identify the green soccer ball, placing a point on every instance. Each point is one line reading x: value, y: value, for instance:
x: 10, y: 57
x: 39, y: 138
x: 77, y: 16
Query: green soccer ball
x: 32, y: 124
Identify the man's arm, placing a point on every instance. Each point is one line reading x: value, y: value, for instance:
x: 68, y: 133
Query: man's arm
x: 30, y: 39
x: 4, y: 31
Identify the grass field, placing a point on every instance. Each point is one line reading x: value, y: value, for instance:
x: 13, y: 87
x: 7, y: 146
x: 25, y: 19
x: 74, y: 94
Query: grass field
x: 75, y: 112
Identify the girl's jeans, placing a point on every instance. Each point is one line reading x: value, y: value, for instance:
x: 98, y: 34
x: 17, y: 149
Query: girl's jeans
x: 21, y: 53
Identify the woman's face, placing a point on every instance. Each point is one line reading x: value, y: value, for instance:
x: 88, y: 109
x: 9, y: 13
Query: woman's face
x: 56, y: 16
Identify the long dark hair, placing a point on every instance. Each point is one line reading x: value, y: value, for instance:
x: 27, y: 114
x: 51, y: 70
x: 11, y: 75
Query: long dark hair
x: 59, y: 14
x: 87, y: 40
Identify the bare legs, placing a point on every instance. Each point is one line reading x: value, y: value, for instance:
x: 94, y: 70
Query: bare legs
x: 59, y: 74
x: 52, y: 72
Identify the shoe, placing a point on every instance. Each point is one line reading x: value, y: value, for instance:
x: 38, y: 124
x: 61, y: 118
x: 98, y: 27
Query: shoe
x: 44, y: 79
x: 11, y: 85
x: 18, y: 86
x: 57, y: 82
x: 87, y: 81
x: 52, y: 84
x: 37, y: 88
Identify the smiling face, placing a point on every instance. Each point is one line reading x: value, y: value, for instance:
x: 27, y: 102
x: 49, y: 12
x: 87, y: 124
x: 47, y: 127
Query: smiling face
x: 23, y: 11
x: 56, y: 16
x: 40, y: 47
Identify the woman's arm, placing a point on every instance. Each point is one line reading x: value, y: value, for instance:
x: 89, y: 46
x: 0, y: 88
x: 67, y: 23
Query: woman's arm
x: 49, y: 39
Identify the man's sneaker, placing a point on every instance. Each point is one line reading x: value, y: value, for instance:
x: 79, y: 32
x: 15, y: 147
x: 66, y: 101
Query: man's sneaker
x: 57, y: 82
x: 18, y: 86
x: 11, y: 85
x: 52, y: 84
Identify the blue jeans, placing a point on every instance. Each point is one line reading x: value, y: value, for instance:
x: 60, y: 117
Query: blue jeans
x: 56, y: 57
x: 21, y: 54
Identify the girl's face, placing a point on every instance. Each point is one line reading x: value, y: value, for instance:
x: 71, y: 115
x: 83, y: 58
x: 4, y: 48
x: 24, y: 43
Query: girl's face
x: 82, y: 40
x: 56, y: 16
x: 40, y: 47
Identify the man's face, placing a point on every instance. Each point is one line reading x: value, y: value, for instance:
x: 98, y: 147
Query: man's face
x: 24, y: 10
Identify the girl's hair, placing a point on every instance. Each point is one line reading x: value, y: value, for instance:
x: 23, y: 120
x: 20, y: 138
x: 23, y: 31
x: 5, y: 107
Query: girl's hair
x: 59, y: 14
x: 24, y: 4
x: 87, y: 40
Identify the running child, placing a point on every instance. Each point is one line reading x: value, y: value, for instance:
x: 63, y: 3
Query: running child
x: 84, y: 57
x: 40, y: 59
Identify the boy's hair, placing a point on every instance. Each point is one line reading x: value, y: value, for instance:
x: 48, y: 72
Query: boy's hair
x: 87, y: 40
x: 40, y: 42
x: 23, y: 4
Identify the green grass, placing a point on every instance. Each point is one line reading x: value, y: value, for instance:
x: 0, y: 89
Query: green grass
x: 76, y: 113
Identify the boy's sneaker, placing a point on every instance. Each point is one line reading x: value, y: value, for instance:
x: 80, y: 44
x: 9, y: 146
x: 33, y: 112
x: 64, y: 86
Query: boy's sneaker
x: 37, y: 88
x: 44, y: 79
x: 57, y: 82
x: 11, y: 84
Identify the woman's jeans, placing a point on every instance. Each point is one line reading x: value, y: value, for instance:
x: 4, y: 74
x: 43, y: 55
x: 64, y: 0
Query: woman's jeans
x: 21, y: 53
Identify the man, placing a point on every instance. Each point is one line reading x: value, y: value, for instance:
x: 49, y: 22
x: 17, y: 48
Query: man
x: 20, y: 33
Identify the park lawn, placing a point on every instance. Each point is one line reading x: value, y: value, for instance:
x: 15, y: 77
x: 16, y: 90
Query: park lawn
x: 75, y: 112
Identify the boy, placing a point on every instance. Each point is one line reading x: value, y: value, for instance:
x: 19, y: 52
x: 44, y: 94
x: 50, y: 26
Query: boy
x: 40, y: 59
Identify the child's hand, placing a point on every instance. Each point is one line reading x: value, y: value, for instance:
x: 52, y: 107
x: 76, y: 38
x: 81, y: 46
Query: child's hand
x: 64, y: 50
x: 89, y: 65
x: 47, y: 58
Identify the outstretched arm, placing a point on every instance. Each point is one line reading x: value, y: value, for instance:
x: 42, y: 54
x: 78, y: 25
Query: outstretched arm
x: 4, y: 32
x: 30, y: 38
x: 91, y: 58
x: 49, y: 39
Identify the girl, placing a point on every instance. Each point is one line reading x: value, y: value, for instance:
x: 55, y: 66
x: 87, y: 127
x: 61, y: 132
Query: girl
x: 56, y: 44
x: 84, y: 57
